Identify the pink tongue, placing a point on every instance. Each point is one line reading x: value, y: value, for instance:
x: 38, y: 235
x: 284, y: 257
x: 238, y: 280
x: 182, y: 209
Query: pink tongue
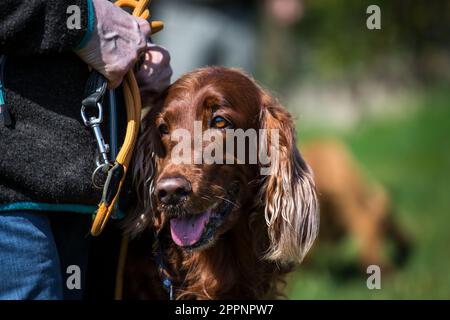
x: 187, y: 231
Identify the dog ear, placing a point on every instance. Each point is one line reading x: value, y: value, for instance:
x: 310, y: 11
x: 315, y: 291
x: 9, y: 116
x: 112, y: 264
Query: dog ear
x: 288, y: 191
x: 144, y: 167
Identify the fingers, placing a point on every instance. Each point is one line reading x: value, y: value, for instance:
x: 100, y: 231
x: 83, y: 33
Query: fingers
x: 144, y: 33
x: 117, y: 41
x: 144, y: 27
x: 155, y: 73
x: 156, y: 55
x: 157, y: 61
x: 116, y: 44
x: 129, y: 56
x: 117, y: 71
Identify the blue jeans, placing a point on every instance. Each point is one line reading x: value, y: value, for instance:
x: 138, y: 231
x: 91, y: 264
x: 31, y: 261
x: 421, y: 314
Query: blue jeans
x: 35, y: 251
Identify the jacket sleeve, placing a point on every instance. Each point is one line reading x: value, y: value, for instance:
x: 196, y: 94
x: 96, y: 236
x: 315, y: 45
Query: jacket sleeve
x: 30, y: 27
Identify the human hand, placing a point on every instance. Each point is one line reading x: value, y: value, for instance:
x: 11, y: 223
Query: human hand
x: 154, y: 74
x: 116, y: 43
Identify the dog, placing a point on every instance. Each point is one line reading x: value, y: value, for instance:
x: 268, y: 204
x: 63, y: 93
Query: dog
x: 351, y: 205
x: 219, y: 230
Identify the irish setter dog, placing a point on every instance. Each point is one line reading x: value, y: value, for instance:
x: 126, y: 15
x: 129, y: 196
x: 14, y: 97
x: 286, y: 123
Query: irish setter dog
x: 224, y: 230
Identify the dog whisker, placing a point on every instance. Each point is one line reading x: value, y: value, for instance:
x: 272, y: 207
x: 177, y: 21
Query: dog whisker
x: 228, y: 200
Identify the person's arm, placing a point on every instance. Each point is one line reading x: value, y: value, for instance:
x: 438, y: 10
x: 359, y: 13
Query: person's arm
x: 108, y: 39
x: 40, y: 26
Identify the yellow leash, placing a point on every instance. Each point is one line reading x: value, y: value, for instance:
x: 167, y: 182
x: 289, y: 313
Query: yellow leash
x: 118, y: 292
x: 117, y: 173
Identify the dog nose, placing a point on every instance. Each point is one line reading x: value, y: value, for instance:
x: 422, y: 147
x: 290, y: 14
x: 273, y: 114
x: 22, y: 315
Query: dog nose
x: 172, y: 190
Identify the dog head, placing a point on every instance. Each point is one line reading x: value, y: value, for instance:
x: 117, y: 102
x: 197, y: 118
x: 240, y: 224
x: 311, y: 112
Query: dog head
x: 216, y: 149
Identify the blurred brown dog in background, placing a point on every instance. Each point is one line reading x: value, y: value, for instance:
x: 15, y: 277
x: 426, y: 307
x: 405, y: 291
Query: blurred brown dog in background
x: 352, y: 205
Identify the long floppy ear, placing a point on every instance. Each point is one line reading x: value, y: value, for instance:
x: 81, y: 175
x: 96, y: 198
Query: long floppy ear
x: 288, y: 191
x: 144, y: 167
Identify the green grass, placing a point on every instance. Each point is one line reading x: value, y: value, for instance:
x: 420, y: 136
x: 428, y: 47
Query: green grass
x: 411, y: 157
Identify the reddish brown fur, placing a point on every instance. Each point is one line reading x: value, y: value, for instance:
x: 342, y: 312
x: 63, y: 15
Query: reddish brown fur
x: 248, y: 258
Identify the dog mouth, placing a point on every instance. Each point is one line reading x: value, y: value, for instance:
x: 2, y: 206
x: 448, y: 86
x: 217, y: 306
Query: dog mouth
x: 197, y: 231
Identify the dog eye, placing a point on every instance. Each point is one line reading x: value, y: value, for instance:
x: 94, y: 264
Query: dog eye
x: 163, y: 129
x: 220, y: 123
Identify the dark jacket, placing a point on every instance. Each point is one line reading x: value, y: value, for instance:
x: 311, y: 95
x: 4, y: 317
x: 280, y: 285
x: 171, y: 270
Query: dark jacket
x: 47, y: 156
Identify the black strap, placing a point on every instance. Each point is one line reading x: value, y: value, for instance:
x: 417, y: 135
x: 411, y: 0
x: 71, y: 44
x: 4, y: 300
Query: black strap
x: 95, y: 89
x: 112, y: 183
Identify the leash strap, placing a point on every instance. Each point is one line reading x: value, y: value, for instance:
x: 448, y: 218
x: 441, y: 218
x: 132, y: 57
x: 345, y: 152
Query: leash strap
x: 157, y: 250
x: 117, y: 171
x: 95, y: 89
x: 113, y: 131
x: 164, y: 274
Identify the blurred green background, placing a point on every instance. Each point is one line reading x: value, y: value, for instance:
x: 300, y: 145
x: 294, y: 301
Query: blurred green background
x: 401, y: 139
x: 384, y: 93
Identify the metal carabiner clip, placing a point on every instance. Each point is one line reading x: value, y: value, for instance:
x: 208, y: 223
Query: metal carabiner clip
x: 94, y: 122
